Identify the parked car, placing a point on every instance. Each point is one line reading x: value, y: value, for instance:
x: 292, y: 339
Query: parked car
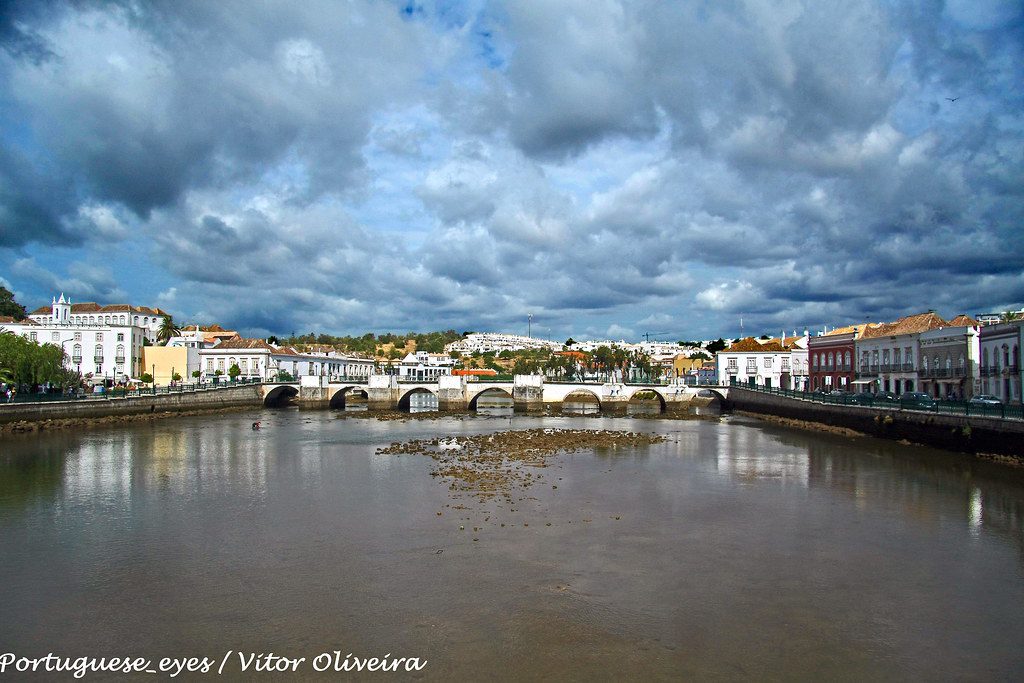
x: 886, y: 396
x: 985, y: 400
x: 864, y: 398
x: 917, y: 399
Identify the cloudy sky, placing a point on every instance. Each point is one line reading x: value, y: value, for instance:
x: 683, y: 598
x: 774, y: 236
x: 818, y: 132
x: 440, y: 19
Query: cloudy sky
x: 612, y: 168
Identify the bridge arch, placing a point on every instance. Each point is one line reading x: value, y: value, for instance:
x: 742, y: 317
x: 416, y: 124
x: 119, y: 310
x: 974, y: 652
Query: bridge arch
x: 637, y: 396
x: 340, y: 397
x: 711, y: 393
x: 280, y: 396
x: 404, y: 403
x: 584, y: 396
x: 490, y: 391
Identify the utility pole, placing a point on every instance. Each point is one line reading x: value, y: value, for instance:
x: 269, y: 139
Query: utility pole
x: 529, y: 325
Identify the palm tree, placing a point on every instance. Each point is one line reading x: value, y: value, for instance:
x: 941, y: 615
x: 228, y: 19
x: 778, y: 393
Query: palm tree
x: 167, y: 330
x: 1009, y: 316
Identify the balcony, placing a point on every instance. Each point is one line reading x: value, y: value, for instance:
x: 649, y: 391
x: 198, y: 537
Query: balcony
x: 77, y: 360
x: 1010, y: 370
x: 908, y: 367
x: 98, y: 360
x: 732, y: 370
x: 119, y: 360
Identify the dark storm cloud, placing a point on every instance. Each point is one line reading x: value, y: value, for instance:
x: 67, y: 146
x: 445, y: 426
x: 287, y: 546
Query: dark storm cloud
x: 350, y: 166
x: 139, y: 103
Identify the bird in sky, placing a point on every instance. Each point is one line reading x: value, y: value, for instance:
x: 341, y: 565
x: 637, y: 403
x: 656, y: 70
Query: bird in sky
x: 953, y: 99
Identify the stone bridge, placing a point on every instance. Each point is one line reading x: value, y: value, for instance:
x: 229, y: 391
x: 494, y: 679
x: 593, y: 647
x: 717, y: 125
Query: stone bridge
x: 529, y: 393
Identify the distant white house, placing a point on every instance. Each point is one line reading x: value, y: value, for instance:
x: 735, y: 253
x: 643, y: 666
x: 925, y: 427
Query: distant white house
x: 257, y: 358
x: 425, y: 366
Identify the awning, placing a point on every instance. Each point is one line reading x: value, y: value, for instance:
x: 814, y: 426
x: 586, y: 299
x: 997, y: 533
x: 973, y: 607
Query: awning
x: 862, y: 381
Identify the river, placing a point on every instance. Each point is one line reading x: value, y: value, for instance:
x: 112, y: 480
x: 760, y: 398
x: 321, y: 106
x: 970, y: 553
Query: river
x: 735, y: 549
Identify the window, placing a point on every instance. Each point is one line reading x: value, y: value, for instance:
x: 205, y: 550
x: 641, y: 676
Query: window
x: 896, y: 357
x: 847, y: 360
x: 767, y: 361
x: 98, y: 353
x: 99, y: 336
x: 815, y: 361
x: 120, y: 336
x: 55, y: 336
x: 209, y: 365
x: 77, y: 353
x: 33, y: 336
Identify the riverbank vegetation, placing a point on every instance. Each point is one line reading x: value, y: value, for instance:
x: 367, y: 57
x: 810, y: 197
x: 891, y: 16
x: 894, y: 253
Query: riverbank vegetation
x: 28, y: 364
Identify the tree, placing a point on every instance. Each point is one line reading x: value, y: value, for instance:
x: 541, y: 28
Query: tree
x: 717, y: 345
x: 8, y: 306
x: 167, y: 330
x: 569, y: 342
x: 1009, y: 316
x: 234, y: 371
x: 146, y: 378
x: 284, y: 376
x: 25, y: 362
x: 196, y: 374
x: 176, y: 377
x: 272, y: 339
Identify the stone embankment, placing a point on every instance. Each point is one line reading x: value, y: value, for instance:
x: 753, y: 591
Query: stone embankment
x: 969, y: 434
x: 63, y: 414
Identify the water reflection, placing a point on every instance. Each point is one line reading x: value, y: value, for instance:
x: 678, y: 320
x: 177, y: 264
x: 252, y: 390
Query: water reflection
x: 297, y: 533
x: 581, y: 408
x: 422, y: 402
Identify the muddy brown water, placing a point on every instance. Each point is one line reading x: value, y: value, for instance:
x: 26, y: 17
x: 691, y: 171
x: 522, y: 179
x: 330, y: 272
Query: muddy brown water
x: 734, y: 549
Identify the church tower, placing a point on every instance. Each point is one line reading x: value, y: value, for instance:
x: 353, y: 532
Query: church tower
x: 61, y: 310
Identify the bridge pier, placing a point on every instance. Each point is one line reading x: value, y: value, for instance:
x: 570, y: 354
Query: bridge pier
x: 451, y: 394
x: 528, y: 393
x: 382, y: 392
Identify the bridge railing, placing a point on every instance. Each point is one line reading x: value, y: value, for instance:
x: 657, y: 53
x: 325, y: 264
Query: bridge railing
x: 126, y: 392
x: 939, y: 406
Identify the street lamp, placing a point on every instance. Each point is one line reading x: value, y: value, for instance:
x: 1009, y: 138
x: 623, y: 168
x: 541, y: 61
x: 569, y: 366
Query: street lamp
x: 529, y: 325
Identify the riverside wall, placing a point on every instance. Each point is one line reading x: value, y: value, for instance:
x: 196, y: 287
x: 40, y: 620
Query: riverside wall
x: 207, y: 399
x: 970, y: 434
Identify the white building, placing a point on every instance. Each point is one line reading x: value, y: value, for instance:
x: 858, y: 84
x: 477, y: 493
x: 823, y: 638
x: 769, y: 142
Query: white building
x: 494, y: 342
x: 423, y: 366
x: 257, y: 358
x: 94, y: 350
x: 1000, y: 372
x: 770, y: 363
x: 61, y: 312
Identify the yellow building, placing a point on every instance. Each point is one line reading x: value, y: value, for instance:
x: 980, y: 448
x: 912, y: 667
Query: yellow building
x: 683, y: 365
x: 162, y: 361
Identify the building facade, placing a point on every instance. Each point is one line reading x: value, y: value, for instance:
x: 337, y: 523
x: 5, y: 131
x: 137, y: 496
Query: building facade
x: 91, y: 314
x: 949, y: 361
x: 832, y: 358
x: 772, y: 363
x: 256, y: 358
x: 1000, y: 368
x: 99, y: 352
x: 423, y: 366
x: 888, y: 353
